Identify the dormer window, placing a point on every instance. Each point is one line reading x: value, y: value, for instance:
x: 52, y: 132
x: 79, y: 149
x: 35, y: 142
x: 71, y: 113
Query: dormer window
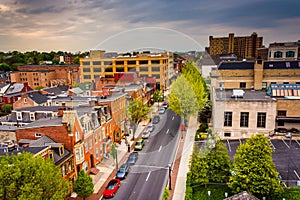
x: 19, y: 116
x: 32, y: 117
x: 51, y: 155
x: 61, y: 150
x: 25, y: 100
x: 38, y: 135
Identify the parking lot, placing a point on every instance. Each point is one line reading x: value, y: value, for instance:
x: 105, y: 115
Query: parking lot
x: 286, y: 157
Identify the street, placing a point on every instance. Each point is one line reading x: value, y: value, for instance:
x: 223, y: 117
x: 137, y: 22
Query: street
x: 147, y: 178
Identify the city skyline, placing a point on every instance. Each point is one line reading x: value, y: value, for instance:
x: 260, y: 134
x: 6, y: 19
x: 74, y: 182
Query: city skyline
x: 121, y: 26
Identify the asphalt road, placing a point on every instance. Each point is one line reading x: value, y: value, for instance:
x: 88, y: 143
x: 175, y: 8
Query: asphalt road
x: 147, y: 178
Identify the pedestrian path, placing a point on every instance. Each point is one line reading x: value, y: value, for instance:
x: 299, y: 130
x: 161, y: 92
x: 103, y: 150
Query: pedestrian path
x: 179, y: 190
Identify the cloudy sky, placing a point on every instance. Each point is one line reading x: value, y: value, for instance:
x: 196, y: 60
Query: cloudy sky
x: 115, y: 25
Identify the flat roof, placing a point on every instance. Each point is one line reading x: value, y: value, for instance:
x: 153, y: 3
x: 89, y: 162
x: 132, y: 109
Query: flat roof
x: 249, y: 95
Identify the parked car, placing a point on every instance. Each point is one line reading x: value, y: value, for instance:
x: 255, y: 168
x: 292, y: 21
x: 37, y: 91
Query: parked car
x: 162, y: 111
x: 123, y: 171
x: 111, y: 188
x: 156, y: 119
x: 132, y: 158
x: 150, y: 127
x: 166, y: 105
x: 139, y: 144
x: 146, y: 134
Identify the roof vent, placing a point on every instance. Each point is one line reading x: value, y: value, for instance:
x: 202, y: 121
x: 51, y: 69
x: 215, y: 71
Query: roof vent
x: 237, y: 94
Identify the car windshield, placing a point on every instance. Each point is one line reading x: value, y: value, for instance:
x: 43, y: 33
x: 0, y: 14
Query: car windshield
x: 138, y: 143
x: 111, y: 185
x: 122, y: 170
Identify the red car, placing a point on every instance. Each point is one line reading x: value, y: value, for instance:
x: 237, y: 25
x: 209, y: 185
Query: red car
x: 111, y: 188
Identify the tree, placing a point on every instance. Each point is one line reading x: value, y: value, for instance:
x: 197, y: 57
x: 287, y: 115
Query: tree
x: 158, y: 96
x: 26, y: 177
x: 219, y: 164
x: 166, y: 194
x: 83, y: 185
x: 4, y: 67
x: 38, y: 87
x: 6, y: 108
x: 182, y: 99
x: 138, y: 111
x: 254, y: 170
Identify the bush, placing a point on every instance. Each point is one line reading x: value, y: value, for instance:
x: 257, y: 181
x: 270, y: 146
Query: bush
x: 200, y: 136
x: 166, y: 194
x: 203, y: 127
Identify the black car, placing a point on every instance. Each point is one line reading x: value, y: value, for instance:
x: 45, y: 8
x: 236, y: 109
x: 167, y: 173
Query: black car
x: 155, y: 119
x: 132, y: 158
x: 123, y: 171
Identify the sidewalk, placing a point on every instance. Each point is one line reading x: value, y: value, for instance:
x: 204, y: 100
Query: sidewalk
x: 181, y: 164
x: 107, y: 168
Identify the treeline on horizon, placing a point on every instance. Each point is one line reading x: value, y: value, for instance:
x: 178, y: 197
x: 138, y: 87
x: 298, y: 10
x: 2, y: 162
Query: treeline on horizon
x: 9, y: 61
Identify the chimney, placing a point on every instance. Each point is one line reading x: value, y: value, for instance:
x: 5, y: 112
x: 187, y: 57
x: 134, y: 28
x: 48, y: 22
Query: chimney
x: 61, y: 111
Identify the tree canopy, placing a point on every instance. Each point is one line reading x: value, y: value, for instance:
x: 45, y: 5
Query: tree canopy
x: 26, y: 177
x: 83, y: 185
x: 254, y: 170
x: 188, y: 93
x: 138, y: 111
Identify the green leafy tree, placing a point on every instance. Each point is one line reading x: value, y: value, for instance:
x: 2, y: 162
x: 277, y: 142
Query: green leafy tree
x: 166, y: 194
x: 38, y: 87
x: 4, y: 67
x: 83, y: 185
x: 182, y: 99
x: 158, y: 96
x: 219, y: 164
x: 254, y: 170
x: 26, y: 177
x: 6, y: 108
x: 138, y: 111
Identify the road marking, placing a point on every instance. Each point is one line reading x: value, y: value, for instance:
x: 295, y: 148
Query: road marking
x: 173, y: 118
x: 272, y: 145
x: 159, y: 148
x: 148, y: 176
x: 229, y: 147
x: 285, y: 143
x: 297, y: 174
x: 297, y: 142
x: 167, y: 131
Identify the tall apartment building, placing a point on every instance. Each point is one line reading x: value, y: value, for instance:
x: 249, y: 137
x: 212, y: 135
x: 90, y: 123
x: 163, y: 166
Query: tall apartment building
x: 242, y: 47
x: 46, y: 75
x: 146, y: 64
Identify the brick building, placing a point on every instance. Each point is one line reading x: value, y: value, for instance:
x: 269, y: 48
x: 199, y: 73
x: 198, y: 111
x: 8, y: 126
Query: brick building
x: 242, y: 46
x: 46, y: 75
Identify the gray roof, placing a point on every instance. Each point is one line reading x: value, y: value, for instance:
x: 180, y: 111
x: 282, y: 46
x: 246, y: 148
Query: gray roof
x: 242, y: 196
x: 38, y: 97
x: 112, y: 97
x: 8, y: 128
x: 282, y: 64
x: 17, y: 87
x: 44, y: 122
x: 236, y: 65
x: 57, y: 90
x: 38, y: 108
x: 15, y: 151
x: 249, y: 95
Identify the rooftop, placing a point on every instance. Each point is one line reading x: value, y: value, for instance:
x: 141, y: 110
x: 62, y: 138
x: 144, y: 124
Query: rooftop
x: 248, y: 95
x: 44, y: 122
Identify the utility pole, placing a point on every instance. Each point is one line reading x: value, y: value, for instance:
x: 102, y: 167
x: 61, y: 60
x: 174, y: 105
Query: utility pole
x: 170, y: 175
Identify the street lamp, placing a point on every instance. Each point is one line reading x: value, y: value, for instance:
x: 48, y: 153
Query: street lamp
x: 209, y: 192
x: 170, y: 173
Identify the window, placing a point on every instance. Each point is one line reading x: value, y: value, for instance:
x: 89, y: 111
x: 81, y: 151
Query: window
x: 281, y: 113
x: 97, y: 69
x: 244, y: 119
x: 19, y: 116
x: 61, y: 150
x: 227, y: 118
x: 143, y: 69
x: 120, y: 69
x: 97, y: 153
x: 51, y: 156
x: 38, y: 135
x: 143, y: 62
x: 108, y: 69
x: 86, y: 63
x: 85, y: 69
x: 290, y: 54
x: 86, y: 147
x: 131, y: 62
x: 32, y: 117
x: 131, y: 69
x: 87, y: 76
x: 63, y: 170
x: 154, y: 62
x: 157, y: 76
x: 25, y: 100
x: 285, y: 82
x: 107, y: 62
x: 155, y: 69
x: 278, y: 54
x: 96, y: 62
x: 227, y: 134
x: 261, y: 120
x: 77, y: 135
x: 119, y: 62
x: 91, y: 144
x: 97, y: 76
x: 242, y: 84
x: 264, y: 85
